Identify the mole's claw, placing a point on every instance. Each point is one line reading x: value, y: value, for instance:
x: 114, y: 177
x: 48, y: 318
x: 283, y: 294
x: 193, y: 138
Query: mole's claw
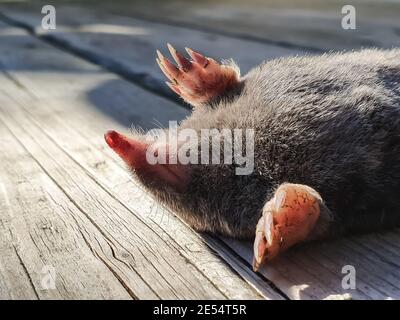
x: 167, y: 67
x: 288, y: 218
x: 198, y: 81
x: 173, y: 87
x: 260, y: 245
x: 182, y: 62
x: 164, y: 70
x: 197, y: 57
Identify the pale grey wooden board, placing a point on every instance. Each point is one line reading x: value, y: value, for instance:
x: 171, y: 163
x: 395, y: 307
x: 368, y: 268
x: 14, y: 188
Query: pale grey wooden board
x: 319, y: 267
x: 135, y: 41
x: 70, y: 92
x: 39, y: 236
x: 288, y: 23
x: 15, y: 282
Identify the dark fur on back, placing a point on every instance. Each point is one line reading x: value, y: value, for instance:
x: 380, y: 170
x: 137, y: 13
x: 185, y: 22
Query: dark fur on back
x: 331, y: 122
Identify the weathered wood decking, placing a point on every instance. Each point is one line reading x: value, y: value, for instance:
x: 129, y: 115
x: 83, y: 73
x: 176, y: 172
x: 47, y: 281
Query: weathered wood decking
x: 66, y: 201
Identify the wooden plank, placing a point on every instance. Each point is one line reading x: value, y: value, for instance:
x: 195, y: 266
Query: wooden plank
x: 311, y: 24
x: 72, y: 89
x: 135, y: 41
x: 314, y: 271
x: 15, y: 282
x: 39, y: 236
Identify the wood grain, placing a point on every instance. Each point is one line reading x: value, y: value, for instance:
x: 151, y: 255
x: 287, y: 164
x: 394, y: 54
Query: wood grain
x: 40, y: 231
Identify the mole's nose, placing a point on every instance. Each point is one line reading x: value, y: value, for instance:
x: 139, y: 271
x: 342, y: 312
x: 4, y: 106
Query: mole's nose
x: 110, y: 136
x: 134, y: 152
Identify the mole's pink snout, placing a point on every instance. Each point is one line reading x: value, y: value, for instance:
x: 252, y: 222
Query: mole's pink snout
x: 133, y: 152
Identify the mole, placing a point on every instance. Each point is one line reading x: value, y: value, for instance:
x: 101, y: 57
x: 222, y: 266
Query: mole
x: 325, y: 143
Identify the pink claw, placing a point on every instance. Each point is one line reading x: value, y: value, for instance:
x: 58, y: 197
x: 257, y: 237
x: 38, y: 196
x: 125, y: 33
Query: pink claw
x: 197, y: 81
x: 167, y: 67
x: 182, y: 62
x: 173, y: 87
x: 199, y: 58
x: 164, y: 70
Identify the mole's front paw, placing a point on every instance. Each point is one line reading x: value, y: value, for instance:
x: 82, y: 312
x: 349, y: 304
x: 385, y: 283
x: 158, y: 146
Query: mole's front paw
x: 200, y: 80
x: 288, y: 218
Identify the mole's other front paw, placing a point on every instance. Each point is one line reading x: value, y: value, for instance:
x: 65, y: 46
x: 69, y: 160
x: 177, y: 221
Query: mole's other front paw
x: 288, y: 218
x: 200, y: 80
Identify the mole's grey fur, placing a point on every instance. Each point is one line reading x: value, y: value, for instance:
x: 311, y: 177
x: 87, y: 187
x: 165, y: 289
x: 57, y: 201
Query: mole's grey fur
x: 331, y: 122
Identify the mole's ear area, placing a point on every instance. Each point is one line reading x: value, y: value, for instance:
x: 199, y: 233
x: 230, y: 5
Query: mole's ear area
x: 134, y: 154
x: 199, y: 80
x: 295, y: 213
